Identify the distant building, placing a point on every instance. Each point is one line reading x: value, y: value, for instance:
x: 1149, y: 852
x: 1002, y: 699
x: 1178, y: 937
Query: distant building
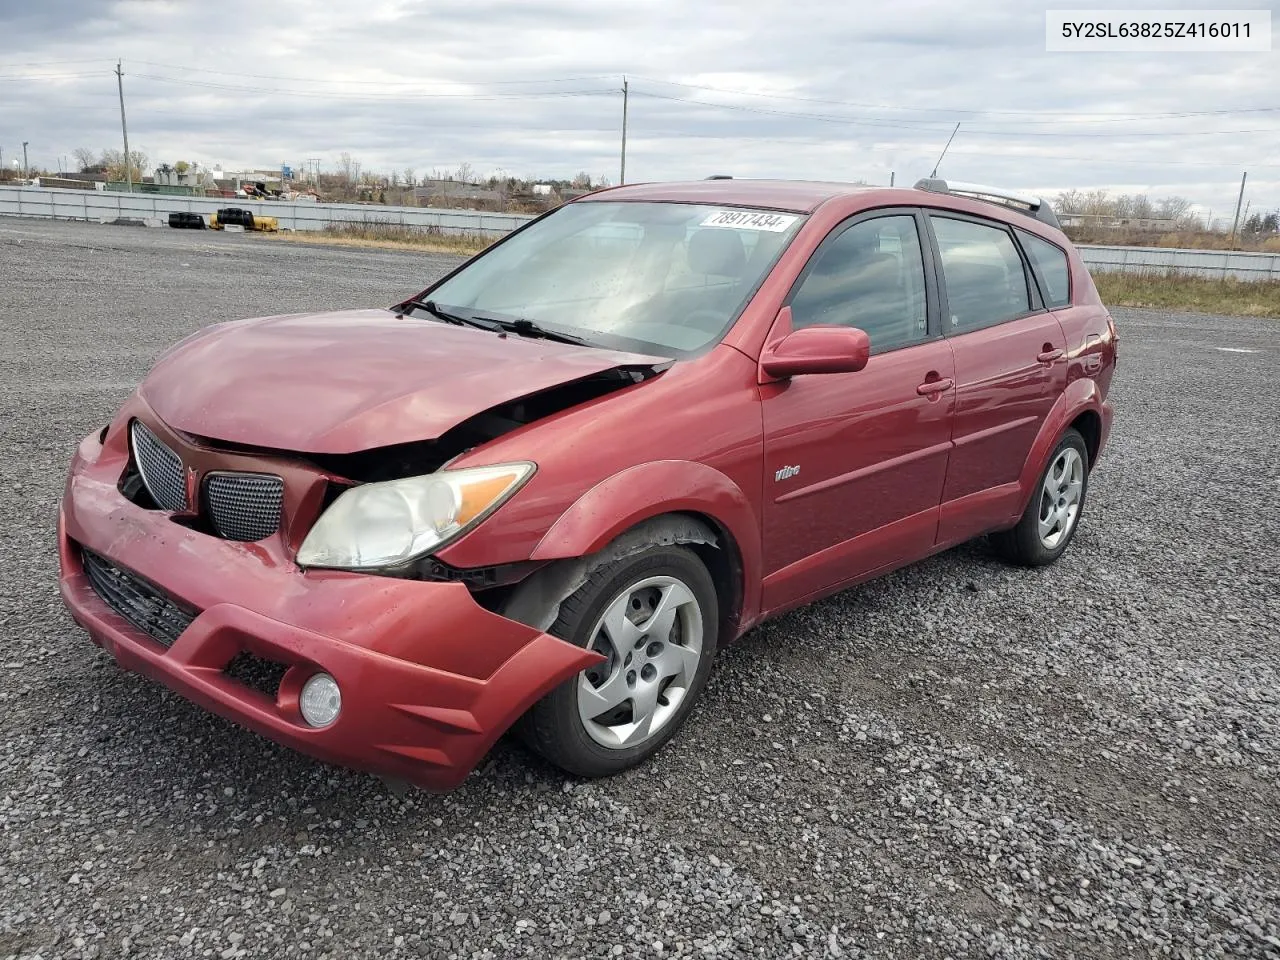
x: 455, y: 190
x: 68, y: 182
x: 1110, y: 222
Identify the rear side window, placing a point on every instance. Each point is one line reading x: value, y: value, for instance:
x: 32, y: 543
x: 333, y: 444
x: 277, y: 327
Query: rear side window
x: 985, y: 279
x: 870, y: 276
x: 1051, y: 263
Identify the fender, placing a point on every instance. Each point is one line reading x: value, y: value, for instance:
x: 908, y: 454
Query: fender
x: 647, y: 490
x: 1080, y: 395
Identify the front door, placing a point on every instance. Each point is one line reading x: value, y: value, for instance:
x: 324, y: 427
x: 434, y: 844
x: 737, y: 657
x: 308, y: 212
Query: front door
x: 855, y: 462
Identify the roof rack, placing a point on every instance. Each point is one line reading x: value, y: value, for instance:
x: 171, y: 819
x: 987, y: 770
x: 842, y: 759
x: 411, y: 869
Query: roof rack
x: 1024, y: 203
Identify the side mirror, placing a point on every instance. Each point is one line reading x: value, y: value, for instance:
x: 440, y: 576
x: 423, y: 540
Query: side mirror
x: 816, y: 350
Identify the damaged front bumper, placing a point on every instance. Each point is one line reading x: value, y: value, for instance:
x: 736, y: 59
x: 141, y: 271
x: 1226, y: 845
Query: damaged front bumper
x: 429, y: 679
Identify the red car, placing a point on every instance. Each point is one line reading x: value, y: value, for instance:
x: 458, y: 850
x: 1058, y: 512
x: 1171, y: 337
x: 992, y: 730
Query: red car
x: 543, y: 492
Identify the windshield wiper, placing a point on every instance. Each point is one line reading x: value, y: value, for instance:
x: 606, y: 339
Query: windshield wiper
x: 521, y: 326
x: 455, y: 318
x: 527, y: 328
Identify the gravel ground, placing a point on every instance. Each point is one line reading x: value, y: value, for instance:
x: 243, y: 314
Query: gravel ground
x: 957, y: 760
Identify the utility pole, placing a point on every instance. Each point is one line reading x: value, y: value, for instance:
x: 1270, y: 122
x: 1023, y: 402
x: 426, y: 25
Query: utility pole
x: 944, y: 150
x: 128, y: 161
x: 622, y: 176
x: 1236, y: 223
x: 26, y: 168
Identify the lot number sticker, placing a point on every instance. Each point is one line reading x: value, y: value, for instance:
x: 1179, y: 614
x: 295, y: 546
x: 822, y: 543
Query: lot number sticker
x: 750, y: 220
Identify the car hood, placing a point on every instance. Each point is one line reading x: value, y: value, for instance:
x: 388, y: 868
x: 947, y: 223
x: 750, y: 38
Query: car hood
x: 353, y: 380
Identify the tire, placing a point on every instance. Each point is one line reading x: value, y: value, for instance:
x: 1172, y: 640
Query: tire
x: 1052, y: 517
x: 639, y: 668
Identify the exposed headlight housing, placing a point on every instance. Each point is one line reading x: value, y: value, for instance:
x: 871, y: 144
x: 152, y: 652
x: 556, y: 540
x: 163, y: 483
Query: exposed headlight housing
x: 387, y: 524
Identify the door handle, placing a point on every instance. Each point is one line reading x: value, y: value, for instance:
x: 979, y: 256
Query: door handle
x: 1048, y: 356
x: 932, y: 388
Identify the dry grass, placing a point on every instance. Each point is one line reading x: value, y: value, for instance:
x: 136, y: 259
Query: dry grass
x: 394, y: 236
x: 1186, y: 239
x: 1180, y: 291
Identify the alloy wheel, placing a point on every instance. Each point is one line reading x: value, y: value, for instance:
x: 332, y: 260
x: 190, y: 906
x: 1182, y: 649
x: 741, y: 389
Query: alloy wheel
x: 651, y: 637
x: 1060, y: 497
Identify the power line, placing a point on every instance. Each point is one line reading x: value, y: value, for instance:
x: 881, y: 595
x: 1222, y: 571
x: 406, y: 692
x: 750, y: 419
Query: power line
x: 1109, y: 118
x: 402, y: 97
x: 47, y: 76
x: 262, y: 76
x: 46, y: 63
x: 919, y: 126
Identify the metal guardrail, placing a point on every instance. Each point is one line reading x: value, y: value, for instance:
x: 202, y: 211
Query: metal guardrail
x: 102, y: 206
x: 58, y: 204
x: 1216, y: 264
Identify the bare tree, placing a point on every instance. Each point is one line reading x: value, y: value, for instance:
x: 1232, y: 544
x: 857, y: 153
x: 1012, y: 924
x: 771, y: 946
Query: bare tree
x: 1177, y: 209
x: 113, y: 162
x: 85, y: 159
x: 464, y: 173
x: 410, y: 177
x: 1142, y: 207
x: 348, y: 169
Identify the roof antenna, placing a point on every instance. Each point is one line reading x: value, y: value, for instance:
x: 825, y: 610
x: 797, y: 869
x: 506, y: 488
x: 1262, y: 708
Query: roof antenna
x: 945, y: 149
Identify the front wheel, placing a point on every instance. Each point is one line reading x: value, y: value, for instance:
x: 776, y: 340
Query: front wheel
x: 1051, y: 518
x: 653, y: 619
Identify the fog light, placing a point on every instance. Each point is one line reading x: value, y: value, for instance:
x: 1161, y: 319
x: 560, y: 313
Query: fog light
x: 320, y: 701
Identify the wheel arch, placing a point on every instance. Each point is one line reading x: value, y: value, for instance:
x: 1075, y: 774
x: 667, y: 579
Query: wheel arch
x: 659, y: 502
x: 1079, y: 405
x: 1089, y: 424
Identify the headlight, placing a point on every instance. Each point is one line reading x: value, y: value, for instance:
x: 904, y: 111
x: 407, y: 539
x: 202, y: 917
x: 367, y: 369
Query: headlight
x: 386, y: 524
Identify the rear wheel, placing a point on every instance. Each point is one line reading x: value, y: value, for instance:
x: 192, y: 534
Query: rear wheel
x: 1050, y: 521
x: 652, y: 617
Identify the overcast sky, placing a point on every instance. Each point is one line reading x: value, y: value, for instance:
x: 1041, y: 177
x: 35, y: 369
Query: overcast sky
x: 831, y: 90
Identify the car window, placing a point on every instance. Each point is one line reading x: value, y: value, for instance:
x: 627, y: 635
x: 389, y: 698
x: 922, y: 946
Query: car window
x: 871, y: 276
x: 986, y: 282
x: 664, y: 278
x: 1051, y: 261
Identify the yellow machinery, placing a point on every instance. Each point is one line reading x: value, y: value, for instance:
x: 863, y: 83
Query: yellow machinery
x: 234, y: 216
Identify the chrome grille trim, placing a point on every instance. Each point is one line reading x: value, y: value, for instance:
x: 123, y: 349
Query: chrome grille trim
x: 159, y: 467
x: 137, y: 601
x: 244, y: 506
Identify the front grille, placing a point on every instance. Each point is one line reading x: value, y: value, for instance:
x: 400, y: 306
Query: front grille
x: 244, y: 506
x: 136, y: 600
x: 159, y: 467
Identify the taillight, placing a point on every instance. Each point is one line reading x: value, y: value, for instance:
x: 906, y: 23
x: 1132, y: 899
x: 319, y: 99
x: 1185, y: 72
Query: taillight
x: 1115, y: 338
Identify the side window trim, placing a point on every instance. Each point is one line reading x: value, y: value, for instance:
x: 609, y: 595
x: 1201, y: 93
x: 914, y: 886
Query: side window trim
x: 933, y: 314
x: 1019, y: 234
x: 1033, y: 290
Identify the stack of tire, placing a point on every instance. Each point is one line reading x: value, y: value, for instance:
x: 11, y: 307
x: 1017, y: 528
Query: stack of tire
x: 186, y: 221
x: 235, y: 216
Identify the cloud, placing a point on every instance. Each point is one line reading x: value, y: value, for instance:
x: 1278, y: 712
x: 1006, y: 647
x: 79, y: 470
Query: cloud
x: 803, y: 89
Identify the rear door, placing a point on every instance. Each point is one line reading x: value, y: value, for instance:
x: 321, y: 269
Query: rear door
x: 1010, y: 368
x: 855, y: 462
